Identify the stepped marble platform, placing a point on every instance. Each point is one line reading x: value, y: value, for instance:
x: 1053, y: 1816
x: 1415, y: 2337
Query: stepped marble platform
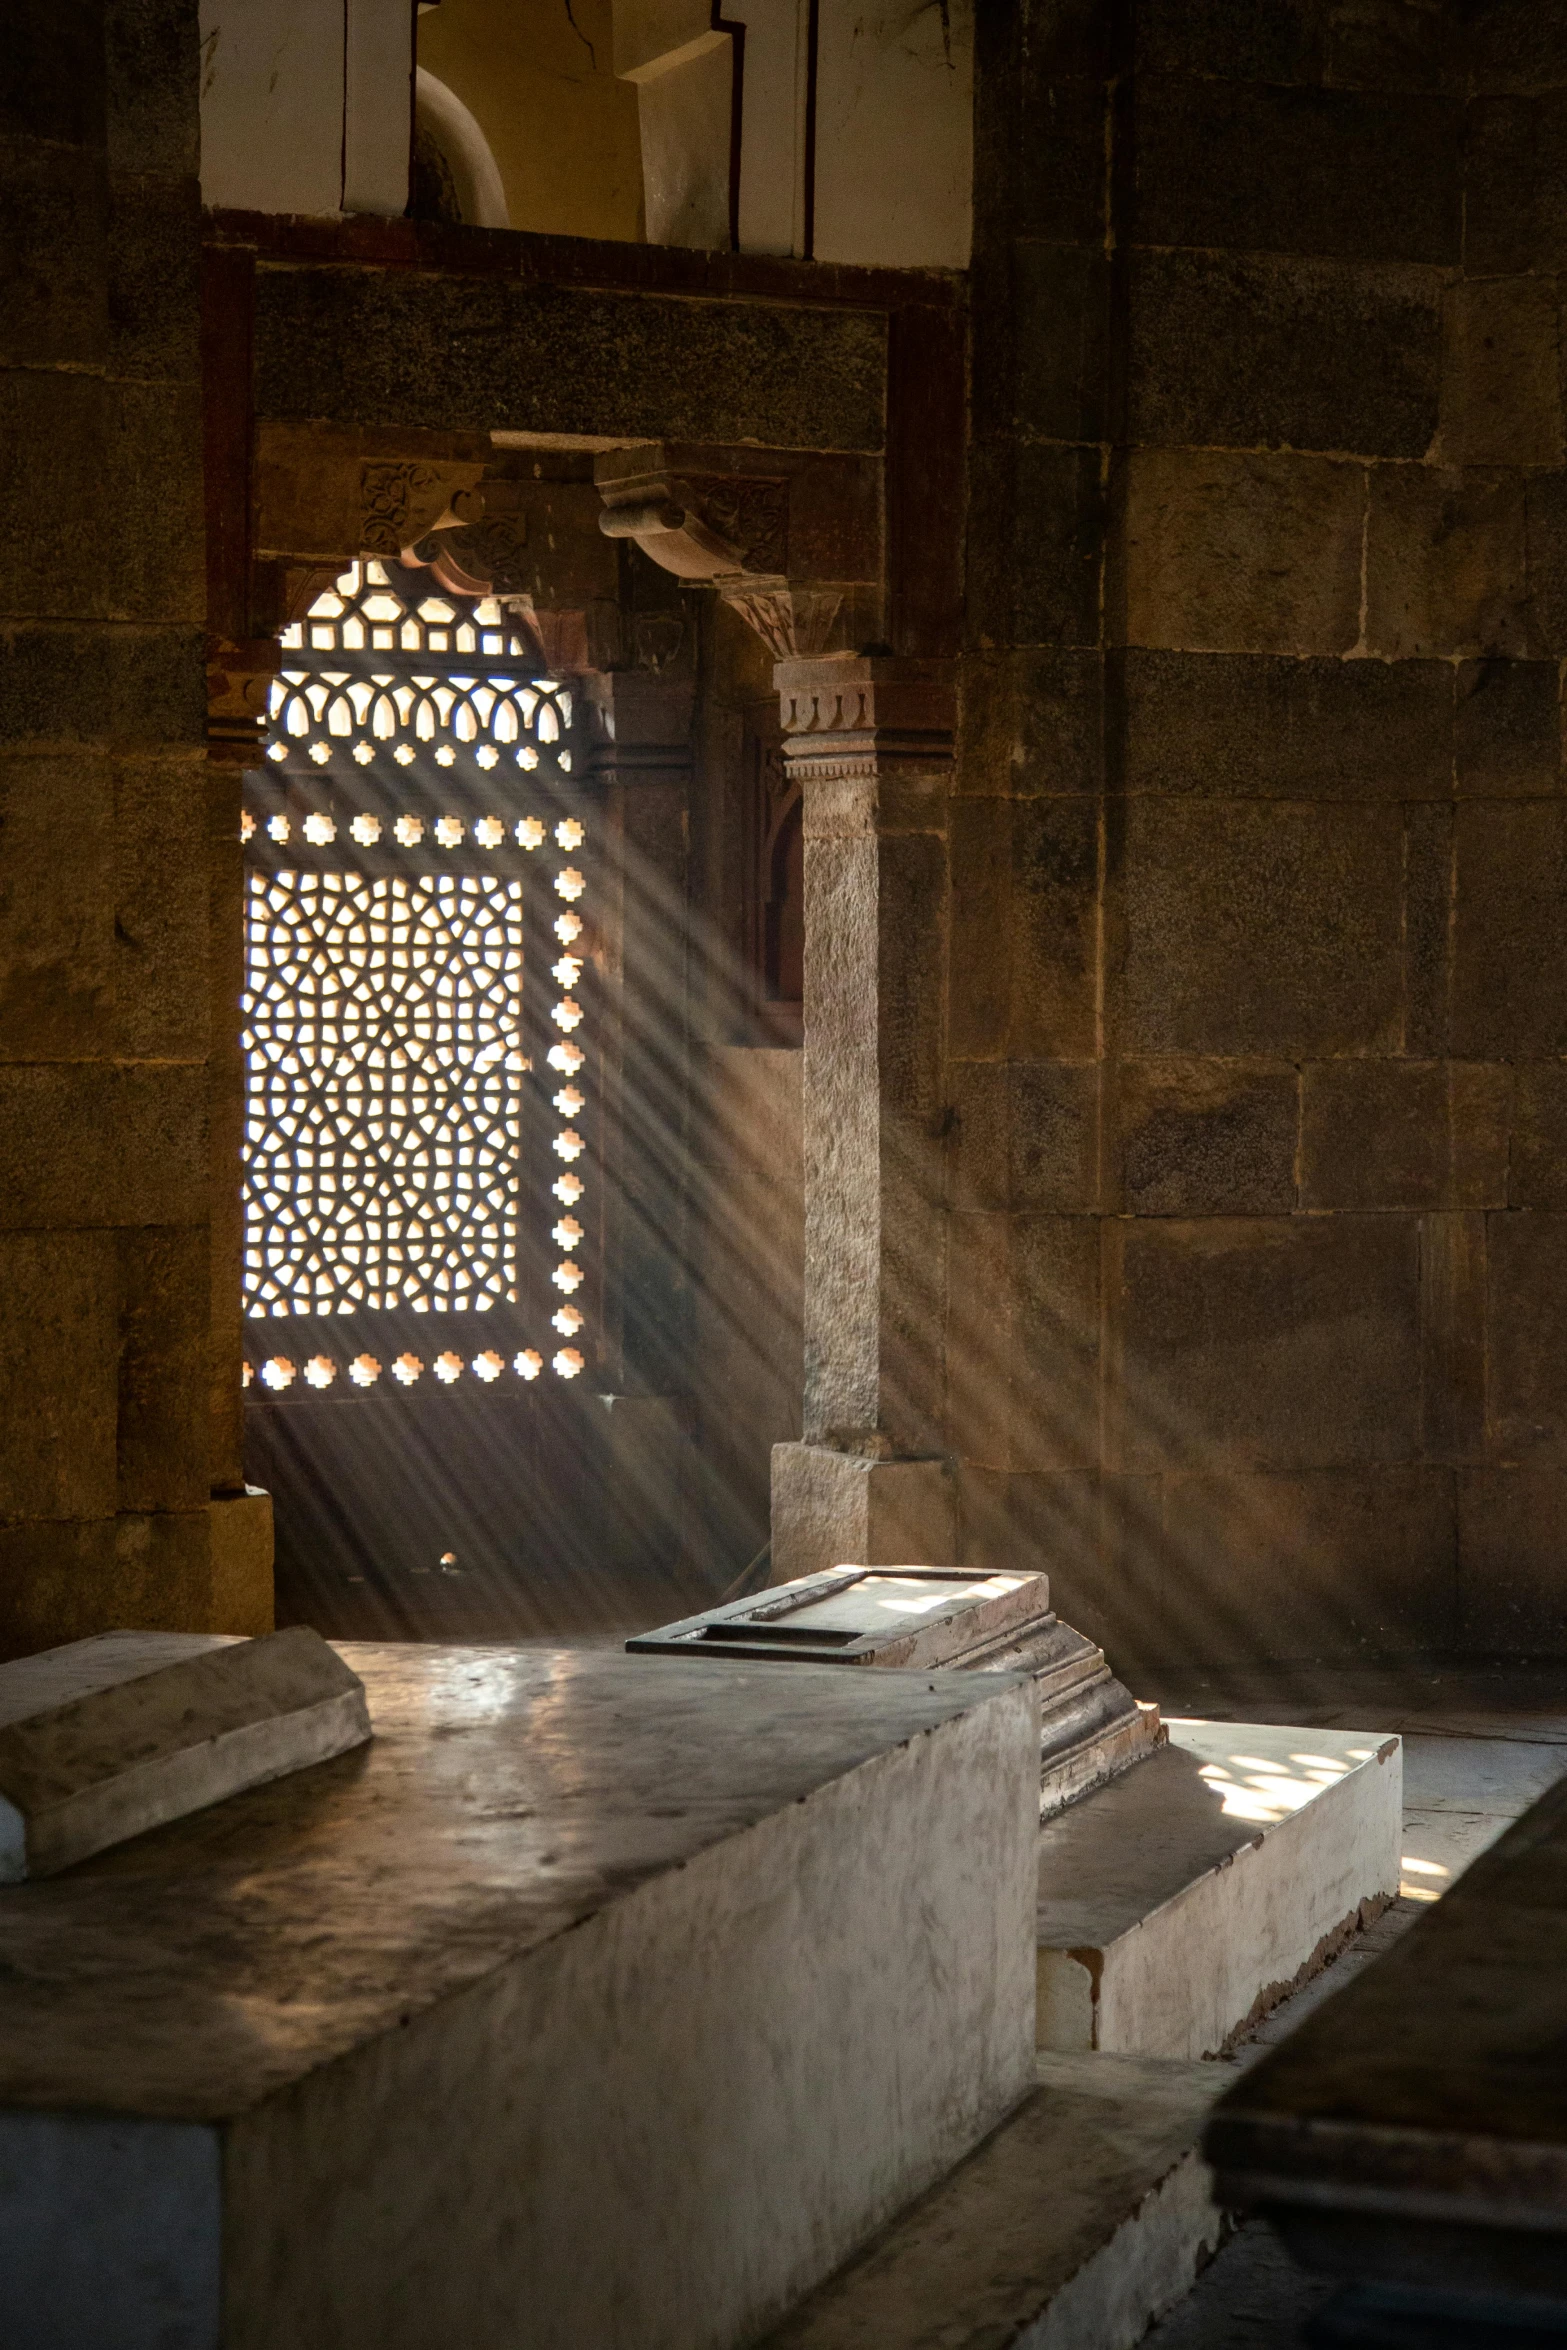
x: 1183, y: 1901
x: 597, y: 2000
x: 1081, y: 2220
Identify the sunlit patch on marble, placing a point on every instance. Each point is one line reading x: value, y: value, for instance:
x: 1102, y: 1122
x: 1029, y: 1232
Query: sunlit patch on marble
x: 996, y: 1588
x: 1250, y: 1787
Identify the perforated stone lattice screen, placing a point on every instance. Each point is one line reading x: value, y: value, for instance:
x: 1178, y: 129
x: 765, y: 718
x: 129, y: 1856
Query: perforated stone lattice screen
x: 385, y: 1037
x: 412, y: 1108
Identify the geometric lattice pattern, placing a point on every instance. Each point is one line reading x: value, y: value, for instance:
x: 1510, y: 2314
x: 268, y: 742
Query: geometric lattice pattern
x: 415, y: 813
x: 410, y: 687
x: 383, y: 1027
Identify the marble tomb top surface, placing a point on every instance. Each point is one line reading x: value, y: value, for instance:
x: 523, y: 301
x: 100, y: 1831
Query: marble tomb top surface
x: 507, y: 1795
x: 1216, y: 1788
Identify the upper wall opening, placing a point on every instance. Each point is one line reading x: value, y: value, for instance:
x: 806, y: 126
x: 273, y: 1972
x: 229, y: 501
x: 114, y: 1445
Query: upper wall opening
x: 838, y: 130
x: 455, y: 175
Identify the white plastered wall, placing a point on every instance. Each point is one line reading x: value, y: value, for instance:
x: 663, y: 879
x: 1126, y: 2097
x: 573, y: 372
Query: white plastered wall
x: 895, y: 132
x: 772, y: 124
x: 683, y: 67
x: 306, y: 104
x: 894, y: 98
x: 306, y: 108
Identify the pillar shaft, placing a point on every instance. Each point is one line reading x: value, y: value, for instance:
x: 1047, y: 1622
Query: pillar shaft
x: 871, y: 741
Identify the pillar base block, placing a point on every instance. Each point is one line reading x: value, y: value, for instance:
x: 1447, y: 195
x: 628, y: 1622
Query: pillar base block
x: 831, y: 1508
x: 241, y: 1529
x: 1091, y: 1727
x: 641, y: 1449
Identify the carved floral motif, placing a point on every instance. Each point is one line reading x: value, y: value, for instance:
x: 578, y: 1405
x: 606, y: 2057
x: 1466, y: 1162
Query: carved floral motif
x: 794, y: 623
x: 402, y: 499
x: 752, y: 514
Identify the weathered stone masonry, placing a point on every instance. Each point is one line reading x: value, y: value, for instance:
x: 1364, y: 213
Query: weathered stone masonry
x: 1220, y: 1222
x: 1259, y: 974
x: 104, y: 1455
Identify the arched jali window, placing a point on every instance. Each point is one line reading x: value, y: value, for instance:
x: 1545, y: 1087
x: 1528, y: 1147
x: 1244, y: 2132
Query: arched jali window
x: 420, y: 1149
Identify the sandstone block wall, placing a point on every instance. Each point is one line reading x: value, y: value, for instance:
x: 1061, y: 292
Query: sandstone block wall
x: 104, y: 1297
x: 1258, y: 986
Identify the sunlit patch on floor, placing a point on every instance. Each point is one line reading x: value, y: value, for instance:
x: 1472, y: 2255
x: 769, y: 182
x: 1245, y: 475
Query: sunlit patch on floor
x: 1426, y: 1869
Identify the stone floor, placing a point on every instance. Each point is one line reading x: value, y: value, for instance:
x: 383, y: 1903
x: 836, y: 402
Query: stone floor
x: 1479, y: 1746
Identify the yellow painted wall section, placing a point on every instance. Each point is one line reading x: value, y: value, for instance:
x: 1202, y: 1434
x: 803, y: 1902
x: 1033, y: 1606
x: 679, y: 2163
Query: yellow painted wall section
x: 538, y: 75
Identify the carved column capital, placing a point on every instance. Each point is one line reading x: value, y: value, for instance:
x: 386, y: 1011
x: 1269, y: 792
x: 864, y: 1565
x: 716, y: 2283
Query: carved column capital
x: 859, y: 715
x: 793, y: 623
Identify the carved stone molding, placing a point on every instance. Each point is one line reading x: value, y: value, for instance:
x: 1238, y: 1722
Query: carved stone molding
x: 638, y: 725
x: 858, y: 715
x: 238, y: 675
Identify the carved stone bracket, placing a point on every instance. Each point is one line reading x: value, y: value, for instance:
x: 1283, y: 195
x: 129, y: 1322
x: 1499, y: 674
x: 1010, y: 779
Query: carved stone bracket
x: 725, y: 531
x: 676, y: 536
x: 467, y: 531
x: 485, y: 551
x: 713, y: 529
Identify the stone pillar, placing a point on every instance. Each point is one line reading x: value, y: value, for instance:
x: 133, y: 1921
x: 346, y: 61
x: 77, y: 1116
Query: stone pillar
x: 640, y: 758
x: 871, y: 741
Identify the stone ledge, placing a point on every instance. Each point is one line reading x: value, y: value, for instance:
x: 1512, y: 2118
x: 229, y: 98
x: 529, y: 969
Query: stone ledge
x: 1081, y: 2220
x: 108, y: 1737
x: 1181, y: 1904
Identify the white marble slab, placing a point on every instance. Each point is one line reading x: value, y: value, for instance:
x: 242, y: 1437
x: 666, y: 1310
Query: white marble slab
x: 1078, y: 2224
x: 106, y: 1738
x: 599, y: 2000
